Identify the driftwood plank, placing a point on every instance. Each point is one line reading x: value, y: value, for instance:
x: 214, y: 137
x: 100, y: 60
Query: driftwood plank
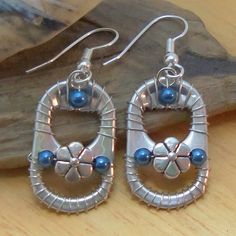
x: 27, y: 23
x: 207, y: 66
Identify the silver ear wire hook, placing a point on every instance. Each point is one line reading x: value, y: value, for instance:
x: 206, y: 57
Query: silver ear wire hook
x: 170, y: 42
x: 88, y: 51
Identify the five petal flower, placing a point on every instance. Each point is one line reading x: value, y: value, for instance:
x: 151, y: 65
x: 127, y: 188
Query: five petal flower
x: 74, y: 162
x: 171, y: 157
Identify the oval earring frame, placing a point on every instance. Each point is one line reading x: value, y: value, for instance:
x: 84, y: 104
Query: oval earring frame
x: 103, y: 144
x: 147, y: 97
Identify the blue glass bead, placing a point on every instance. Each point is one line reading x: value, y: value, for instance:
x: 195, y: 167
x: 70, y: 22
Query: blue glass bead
x: 102, y: 164
x: 167, y: 96
x: 78, y: 98
x: 45, y: 158
x: 142, y: 156
x: 198, y: 156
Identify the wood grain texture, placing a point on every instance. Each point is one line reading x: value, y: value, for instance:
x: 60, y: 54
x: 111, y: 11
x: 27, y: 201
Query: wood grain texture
x: 28, y: 23
x: 122, y: 214
x: 22, y: 215
x: 207, y: 64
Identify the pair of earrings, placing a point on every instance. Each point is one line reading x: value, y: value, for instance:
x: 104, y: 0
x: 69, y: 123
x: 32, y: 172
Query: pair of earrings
x: 166, y: 90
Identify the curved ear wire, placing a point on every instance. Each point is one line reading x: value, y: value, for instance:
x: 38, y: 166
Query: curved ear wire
x: 170, y: 41
x: 89, y: 51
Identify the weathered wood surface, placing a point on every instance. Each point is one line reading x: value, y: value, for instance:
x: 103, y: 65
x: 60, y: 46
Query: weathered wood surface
x: 27, y: 23
x: 123, y: 214
x: 207, y: 66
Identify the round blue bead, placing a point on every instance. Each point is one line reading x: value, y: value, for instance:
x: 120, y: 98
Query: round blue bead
x: 198, y: 156
x: 142, y: 156
x: 102, y: 164
x: 78, y: 98
x: 167, y: 96
x: 45, y: 158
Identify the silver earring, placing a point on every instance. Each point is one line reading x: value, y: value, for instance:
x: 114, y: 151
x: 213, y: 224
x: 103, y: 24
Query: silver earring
x: 74, y: 161
x: 167, y: 90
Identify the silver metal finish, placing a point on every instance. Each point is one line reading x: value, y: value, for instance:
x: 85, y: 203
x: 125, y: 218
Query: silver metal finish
x: 74, y: 161
x: 170, y: 158
x: 170, y: 41
x: 103, y: 144
x: 88, y: 51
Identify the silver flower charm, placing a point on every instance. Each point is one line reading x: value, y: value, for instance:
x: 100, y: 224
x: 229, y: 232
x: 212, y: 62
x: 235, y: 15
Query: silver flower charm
x: 171, y: 158
x: 74, y: 162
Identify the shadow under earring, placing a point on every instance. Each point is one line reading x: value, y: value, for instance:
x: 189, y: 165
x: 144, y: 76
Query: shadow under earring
x: 166, y: 90
x: 74, y: 161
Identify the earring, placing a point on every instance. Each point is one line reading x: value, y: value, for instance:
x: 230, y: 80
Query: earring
x: 167, y: 90
x: 74, y: 161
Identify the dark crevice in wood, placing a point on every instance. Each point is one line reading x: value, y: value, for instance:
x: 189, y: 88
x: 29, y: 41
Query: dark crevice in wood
x: 197, y: 65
